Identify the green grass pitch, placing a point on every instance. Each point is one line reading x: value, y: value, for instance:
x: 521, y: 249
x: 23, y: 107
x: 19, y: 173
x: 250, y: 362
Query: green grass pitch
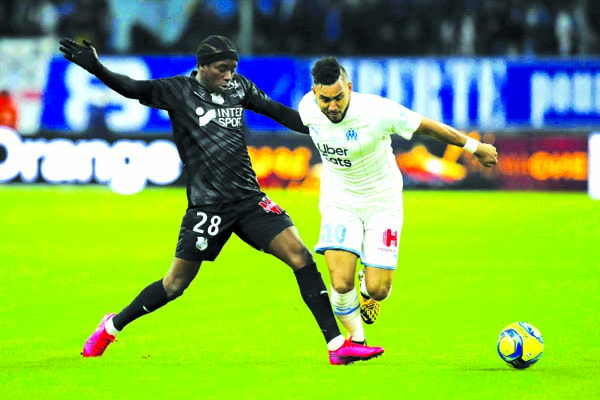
x: 470, y: 263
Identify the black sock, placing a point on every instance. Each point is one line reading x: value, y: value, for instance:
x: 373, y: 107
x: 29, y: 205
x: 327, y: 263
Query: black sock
x: 314, y: 293
x: 150, y: 299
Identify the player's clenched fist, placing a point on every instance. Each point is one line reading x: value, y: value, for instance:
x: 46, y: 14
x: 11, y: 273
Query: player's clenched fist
x: 486, y: 154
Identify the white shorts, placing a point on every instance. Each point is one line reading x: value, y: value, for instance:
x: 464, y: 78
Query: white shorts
x: 372, y: 233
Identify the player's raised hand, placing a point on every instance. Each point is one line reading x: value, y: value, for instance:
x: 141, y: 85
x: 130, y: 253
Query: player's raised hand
x: 83, y: 55
x: 486, y: 154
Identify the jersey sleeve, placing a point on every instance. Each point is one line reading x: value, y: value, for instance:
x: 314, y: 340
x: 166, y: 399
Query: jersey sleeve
x: 166, y: 93
x: 309, y: 112
x: 254, y: 98
x: 258, y: 101
x: 399, y: 119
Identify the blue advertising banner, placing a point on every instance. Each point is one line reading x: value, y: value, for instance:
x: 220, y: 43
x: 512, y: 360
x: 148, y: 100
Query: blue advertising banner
x: 493, y: 93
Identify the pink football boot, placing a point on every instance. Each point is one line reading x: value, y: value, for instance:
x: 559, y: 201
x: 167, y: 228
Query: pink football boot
x: 99, y: 341
x: 351, y: 352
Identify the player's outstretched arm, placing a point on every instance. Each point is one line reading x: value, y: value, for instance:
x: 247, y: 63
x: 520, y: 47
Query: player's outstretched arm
x: 284, y: 115
x: 485, y: 153
x: 87, y: 58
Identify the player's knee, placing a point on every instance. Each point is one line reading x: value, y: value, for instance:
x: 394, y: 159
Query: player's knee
x: 379, y: 293
x: 300, y: 257
x: 291, y: 250
x: 172, y: 294
x: 306, y: 256
x: 175, y: 288
x: 342, y: 285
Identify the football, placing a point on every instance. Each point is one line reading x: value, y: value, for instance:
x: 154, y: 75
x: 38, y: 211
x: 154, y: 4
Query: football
x: 520, y: 344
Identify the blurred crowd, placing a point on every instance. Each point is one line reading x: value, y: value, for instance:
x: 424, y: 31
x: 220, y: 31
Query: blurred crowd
x: 310, y: 27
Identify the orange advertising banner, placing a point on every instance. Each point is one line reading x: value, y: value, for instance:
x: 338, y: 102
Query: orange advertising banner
x: 528, y: 161
x: 534, y: 162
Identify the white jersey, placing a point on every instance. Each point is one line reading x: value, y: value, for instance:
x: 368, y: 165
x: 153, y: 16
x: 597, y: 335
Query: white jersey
x: 359, y: 166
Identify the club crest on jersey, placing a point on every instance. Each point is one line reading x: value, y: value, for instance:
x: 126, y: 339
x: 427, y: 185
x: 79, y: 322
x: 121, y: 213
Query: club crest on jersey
x: 217, y: 98
x: 351, y: 135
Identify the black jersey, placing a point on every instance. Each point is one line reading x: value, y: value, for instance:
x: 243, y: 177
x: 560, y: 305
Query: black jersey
x: 209, y: 131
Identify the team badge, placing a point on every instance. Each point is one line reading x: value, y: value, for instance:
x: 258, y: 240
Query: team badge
x: 217, y: 98
x: 201, y: 243
x: 351, y: 135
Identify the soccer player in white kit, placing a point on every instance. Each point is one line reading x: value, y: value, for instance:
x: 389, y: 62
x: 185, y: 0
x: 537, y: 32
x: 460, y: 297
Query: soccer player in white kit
x: 361, y: 186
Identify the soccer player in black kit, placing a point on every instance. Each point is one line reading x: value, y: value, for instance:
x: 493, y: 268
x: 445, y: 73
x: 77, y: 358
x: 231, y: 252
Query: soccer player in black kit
x: 206, y: 111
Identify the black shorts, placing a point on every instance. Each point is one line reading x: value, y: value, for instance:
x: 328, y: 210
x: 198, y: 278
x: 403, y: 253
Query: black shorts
x: 205, y: 230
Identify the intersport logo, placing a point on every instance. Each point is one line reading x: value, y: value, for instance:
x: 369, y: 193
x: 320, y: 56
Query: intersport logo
x: 226, y: 117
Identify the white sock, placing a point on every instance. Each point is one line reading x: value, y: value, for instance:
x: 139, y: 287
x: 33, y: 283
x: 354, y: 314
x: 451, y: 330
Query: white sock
x: 110, y: 328
x: 346, y: 308
x: 335, y: 343
x: 363, y: 288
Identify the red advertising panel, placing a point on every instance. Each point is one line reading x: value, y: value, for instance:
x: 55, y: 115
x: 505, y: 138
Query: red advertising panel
x: 528, y: 161
x: 594, y: 165
x: 543, y: 162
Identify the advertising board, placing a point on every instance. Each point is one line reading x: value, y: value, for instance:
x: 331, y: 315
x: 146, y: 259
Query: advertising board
x: 485, y: 94
x: 128, y: 165
x: 594, y: 165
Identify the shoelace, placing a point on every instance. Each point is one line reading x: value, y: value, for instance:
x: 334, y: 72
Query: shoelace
x: 102, y: 344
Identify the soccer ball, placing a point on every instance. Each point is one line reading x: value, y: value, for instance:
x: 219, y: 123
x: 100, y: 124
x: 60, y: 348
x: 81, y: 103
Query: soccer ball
x: 520, y: 344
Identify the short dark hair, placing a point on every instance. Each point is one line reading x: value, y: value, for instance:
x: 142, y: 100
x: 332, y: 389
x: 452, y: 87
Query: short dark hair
x: 215, y: 48
x: 327, y: 71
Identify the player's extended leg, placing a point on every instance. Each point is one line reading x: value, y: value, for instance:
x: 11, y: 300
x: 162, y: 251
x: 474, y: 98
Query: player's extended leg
x: 288, y: 247
x: 342, y: 270
x: 152, y: 297
x: 375, y: 286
